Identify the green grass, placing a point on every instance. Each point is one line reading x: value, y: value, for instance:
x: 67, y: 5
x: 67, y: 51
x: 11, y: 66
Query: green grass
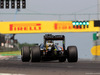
x: 12, y: 53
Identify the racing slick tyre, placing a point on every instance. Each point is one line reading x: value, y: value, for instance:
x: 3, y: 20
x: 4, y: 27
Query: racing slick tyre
x: 72, y: 54
x: 62, y: 59
x: 25, y: 54
x: 35, y: 54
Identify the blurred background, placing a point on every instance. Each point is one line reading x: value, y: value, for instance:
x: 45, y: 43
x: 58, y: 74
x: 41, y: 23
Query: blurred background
x: 61, y: 10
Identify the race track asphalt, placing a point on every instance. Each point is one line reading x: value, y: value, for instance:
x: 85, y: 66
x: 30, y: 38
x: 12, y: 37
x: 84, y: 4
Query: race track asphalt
x: 15, y: 66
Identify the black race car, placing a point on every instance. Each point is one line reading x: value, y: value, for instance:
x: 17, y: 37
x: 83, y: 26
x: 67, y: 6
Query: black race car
x: 50, y: 50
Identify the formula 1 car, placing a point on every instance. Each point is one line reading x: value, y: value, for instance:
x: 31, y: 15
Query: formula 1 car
x: 50, y: 50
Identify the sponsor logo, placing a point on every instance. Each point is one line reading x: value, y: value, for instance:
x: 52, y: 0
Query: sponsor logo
x: 63, y: 26
x: 25, y: 27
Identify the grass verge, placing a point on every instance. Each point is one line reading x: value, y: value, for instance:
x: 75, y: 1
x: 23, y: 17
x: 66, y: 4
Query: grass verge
x: 11, y: 53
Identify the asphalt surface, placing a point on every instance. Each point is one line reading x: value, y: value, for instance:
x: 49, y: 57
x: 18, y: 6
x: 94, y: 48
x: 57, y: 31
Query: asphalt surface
x: 14, y: 66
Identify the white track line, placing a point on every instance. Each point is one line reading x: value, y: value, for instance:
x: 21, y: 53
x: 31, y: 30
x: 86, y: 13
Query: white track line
x: 5, y: 57
x: 10, y: 74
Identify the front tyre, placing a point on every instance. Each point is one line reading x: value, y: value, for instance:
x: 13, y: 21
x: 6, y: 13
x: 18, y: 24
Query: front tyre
x: 72, y: 54
x: 25, y: 54
x: 35, y: 54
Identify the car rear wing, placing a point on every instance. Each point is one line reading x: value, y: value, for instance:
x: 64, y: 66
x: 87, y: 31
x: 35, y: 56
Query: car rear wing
x: 54, y: 37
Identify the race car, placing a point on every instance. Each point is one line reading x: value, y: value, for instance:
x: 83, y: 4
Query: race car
x: 53, y: 48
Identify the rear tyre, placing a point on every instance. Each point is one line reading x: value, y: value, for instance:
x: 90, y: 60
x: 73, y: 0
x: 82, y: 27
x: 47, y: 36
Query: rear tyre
x: 72, y: 54
x: 25, y: 54
x: 35, y: 54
